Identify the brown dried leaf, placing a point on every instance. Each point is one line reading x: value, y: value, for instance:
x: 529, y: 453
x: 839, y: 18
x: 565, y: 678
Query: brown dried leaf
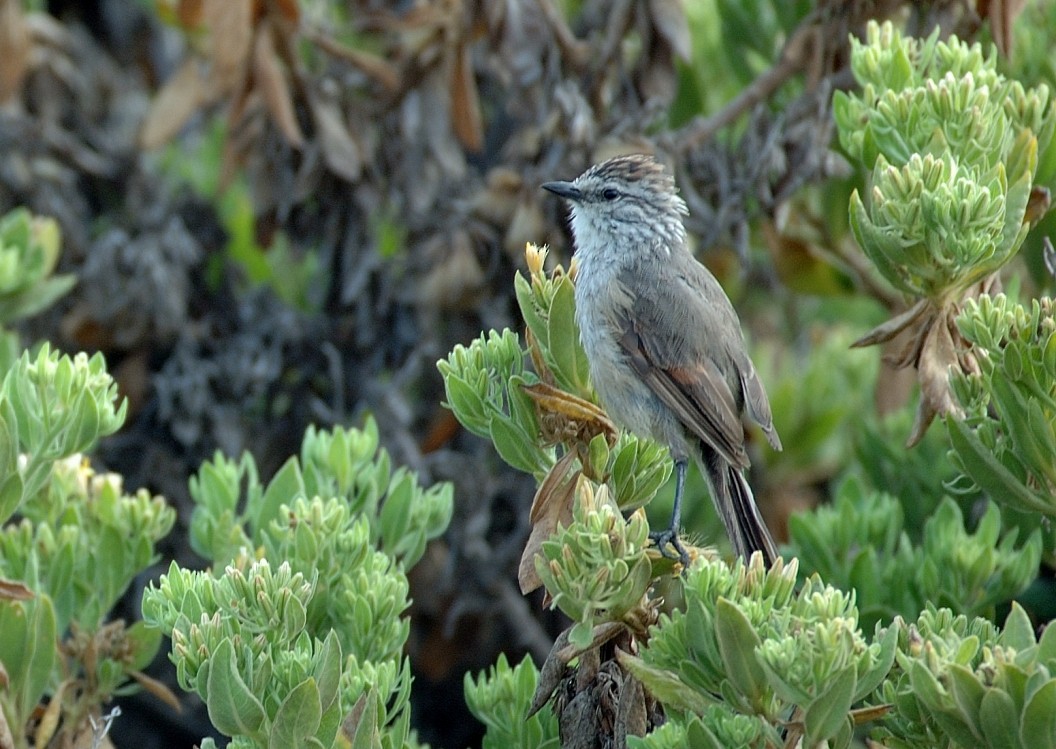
x: 158, y: 689
x: 377, y: 68
x: 190, y: 13
x: 1002, y: 16
x: 937, y: 356
x: 456, y: 277
x: 12, y: 590
x: 631, y: 717
x: 49, y: 719
x: 552, y: 505
x: 894, y: 326
x: 465, y: 101
x: 550, y: 675
x: 669, y: 18
x: 270, y: 79
x: 230, y: 27
x: 14, y: 48
x: 181, y: 96
x: 342, y: 152
x: 556, y: 401
x: 288, y: 9
x: 1038, y: 204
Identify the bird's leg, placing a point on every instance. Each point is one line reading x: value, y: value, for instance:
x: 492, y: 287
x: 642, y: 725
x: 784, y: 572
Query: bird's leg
x: 669, y: 537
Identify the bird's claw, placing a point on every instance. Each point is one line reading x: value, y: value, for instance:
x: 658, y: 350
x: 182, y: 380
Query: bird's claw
x: 669, y: 537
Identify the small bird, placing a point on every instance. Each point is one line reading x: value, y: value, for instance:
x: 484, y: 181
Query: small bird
x: 666, y: 352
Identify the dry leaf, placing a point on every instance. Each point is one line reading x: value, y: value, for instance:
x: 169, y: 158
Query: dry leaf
x: 455, y: 277
x: 1002, y: 15
x: 270, y: 78
x: 465, y: 102
x: 180, y: 97
x: 158, y: 689
x: 11, y: 590
x: 189, y: 13
x: 669, y: 18
x: 372, y: 65
x: 14, y: 48
x: 342, y: 153
x: 552, y: 505
x: 230, y: 26
x: 288, y: 9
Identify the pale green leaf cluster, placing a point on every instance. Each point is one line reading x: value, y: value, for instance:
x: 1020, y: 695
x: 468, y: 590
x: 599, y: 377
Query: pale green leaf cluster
x: 51, y: 407
x: 484, y: 386
x: 548, y: 305
x: 233, y: 509
x: 29, y: 251
x: 80, y: 539
x: 239, y: 640
x: 959, y: 683
x: 748, y: 647
x: 954, y: 148
x: 1006, y: 444
x: 596, y: 570
x: 500, y: 698
x: 859, y: 543
x: 271, y: 677
x: 307, y: 619
x: 637, y: 468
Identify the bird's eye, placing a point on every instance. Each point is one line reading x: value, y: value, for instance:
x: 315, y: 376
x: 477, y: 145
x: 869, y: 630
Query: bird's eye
x: 610, y: 193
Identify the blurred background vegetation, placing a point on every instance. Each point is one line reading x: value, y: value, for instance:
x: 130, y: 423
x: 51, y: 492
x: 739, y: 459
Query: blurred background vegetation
x: 284, y: 212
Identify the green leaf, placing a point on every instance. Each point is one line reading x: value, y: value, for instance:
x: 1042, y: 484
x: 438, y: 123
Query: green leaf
x: 566, y: 352
x: 11, y: 492
x: 283, y: 488
x: 968, y: 693
x: 395, y: 516
x: 467, y: 403
x: 28, y: 649
x: 989, y: 473
x: 699, y: 736
x: 826, y: 715
x: 297, y: 718
x: 329, y: 661
x: 872, y: 678
x: 233, y: 708
x: 1018, y: 633
x: 1039, y: 717
x: 999, y: 720
x: 517, y: 448
x: 665, y: 685
x: 144, y: 641
x: 738, y: 640
x: 1047, y: 647
x: 526, y: 301
x: 364, y: 722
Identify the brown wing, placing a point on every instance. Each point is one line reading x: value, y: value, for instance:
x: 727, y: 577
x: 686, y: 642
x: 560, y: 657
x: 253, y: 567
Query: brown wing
x: 678, y: 332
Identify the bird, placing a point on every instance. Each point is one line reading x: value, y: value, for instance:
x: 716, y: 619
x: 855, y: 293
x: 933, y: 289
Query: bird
x: 665, y: 348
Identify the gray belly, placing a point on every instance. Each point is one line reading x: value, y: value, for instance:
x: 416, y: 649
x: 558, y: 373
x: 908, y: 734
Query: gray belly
x: 628, y: 401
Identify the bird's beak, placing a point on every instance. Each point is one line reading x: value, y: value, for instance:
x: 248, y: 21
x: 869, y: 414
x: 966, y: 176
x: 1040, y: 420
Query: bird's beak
x: 566, y: 190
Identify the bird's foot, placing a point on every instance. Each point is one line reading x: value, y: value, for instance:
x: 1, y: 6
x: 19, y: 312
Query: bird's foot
x: 669, y: 538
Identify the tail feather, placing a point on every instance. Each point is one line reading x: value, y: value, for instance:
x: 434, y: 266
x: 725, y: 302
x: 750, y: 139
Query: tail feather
x: 737, y: 508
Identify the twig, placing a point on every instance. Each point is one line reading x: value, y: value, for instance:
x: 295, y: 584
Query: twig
x: 572, y: 49
x: 791, y: 62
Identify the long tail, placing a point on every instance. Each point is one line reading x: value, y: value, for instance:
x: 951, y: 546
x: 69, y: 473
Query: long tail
x: 736, y: 505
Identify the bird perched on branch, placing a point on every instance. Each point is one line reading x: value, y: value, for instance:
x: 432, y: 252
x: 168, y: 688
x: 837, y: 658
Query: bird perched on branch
x: 664, y: 343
